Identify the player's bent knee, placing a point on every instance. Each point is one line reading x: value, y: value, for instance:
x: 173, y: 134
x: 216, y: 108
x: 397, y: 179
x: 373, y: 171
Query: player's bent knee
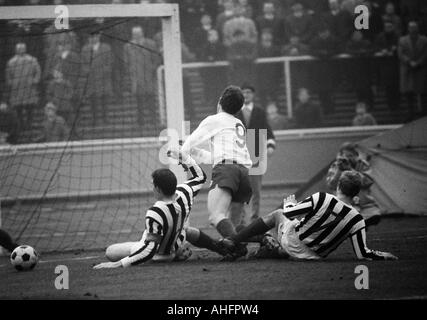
x: 219, y: 200
x: 118, y: 251
x: 111, y: 254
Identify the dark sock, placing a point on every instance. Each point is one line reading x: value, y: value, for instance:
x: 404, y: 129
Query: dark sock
x: 226, y: 228
x: 204, y: 241
x: 257, y: 227
x: 257, y: 238
x: 6, y: 241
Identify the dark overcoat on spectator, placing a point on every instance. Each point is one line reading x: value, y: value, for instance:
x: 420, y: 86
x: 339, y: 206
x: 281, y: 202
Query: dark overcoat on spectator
x: 341, y: 24
x: 54, y: 130
x: 60, y: 92
x: 258, y: 121
x: 413, y: 79
x: 97, y: 69
x: 141, y: 63
x: 22, y: 77
x: 299, y: 27
x: 70, y: 67
x: 388, y: 65
x: 241, y: 56
x: 52, y: 40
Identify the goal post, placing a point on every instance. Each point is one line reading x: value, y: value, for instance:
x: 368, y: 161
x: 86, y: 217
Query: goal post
x: 68, y: 194
x: 2, y: 251
x: 169, y: 13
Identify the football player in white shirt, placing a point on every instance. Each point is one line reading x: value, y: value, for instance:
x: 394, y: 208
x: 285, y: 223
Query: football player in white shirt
x: 229, y: 156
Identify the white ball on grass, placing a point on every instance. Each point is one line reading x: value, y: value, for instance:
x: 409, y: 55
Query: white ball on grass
x: 24, y: 258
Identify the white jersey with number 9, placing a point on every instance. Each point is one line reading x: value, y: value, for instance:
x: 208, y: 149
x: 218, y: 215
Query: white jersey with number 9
x: 227, y: 138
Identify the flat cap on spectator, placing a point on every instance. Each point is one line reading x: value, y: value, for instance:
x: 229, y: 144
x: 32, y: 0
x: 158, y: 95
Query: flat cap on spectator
x: 238, y: 32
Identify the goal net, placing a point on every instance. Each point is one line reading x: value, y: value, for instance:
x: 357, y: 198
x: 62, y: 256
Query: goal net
x: 83, y: 105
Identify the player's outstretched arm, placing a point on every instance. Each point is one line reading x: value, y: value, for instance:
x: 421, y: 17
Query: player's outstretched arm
x: 362, y: 252
x: 198, y: 176
x: 143, y: 254
x: 293, y: 209
x: 201, y: 155
x: 146, y: 251
x: 206, y: 129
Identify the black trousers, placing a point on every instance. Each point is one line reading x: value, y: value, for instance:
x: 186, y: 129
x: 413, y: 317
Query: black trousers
x: 412, y: 102
x: 392, y: 95
x: 98, y: 105
x: 147, y: 109
x: 25, y: 115
x: 9, y: 123
x: 324, y: 83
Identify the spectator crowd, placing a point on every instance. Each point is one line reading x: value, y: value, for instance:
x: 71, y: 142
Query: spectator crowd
x: 40, y: 66
x: 392, y: 51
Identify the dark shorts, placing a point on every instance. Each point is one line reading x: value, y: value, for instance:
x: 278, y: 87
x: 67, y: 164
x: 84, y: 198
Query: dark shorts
x: 235, y: 178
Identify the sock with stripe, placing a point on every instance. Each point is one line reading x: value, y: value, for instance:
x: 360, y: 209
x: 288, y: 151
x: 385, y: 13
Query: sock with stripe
x: 6, y: 241
x: 257, y: 227
x: 225, y: 228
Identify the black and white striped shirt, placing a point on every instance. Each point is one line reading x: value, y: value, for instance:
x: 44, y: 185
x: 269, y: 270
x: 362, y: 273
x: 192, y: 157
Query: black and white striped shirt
x: 326, y: 221
x: 164, y: 222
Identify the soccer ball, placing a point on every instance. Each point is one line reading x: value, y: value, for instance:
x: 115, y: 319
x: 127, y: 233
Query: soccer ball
x: 24, y: 258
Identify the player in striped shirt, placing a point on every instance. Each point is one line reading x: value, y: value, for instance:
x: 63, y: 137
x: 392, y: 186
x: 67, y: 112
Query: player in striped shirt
x: 315, y: 227
x: 166, y: 222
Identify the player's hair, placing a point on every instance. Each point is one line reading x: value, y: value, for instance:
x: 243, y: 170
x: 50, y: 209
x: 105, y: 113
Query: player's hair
x: 350, y: 147
x: 165, y: 180
x: 350, y: 183
x: 232, y: 100
x: 238, y: 33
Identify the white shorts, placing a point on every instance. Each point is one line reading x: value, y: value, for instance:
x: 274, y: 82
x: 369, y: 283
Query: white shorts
x: 290, y: 242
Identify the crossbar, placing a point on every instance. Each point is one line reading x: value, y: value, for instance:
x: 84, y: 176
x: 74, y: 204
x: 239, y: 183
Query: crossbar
x: 89, y: 11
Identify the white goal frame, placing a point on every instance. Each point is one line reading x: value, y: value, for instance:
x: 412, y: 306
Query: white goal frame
x: 169, y: 14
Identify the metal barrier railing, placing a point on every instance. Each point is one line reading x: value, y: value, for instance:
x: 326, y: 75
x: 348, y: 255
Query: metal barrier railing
x: 286, y: 60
